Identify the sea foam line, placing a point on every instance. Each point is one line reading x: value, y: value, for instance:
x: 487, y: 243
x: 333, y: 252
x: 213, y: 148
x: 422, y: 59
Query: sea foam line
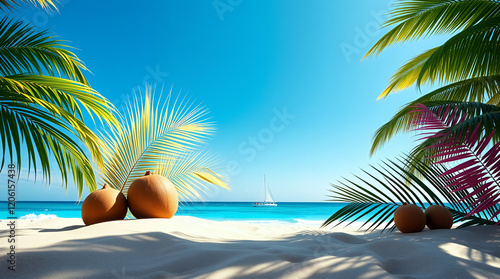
x: 33, y: 216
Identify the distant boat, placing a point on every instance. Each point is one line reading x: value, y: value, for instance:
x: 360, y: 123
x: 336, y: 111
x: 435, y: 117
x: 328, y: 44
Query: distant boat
x: 268, y: 198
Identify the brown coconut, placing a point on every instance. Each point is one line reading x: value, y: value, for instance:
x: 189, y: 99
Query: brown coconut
x: 152, y: 196
x: 438, y: 217
x: 409, y: 218
x: 106, y: 204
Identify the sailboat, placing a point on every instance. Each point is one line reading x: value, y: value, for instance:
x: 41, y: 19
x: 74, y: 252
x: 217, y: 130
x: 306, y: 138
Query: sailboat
x: 268, y: 199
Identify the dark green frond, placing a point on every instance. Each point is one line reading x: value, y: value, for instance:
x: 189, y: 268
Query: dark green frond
x: 474, y: 52
x: 42, y: 135
x: 414, y: 19
x: 480, y: 89
x: 25, y: 50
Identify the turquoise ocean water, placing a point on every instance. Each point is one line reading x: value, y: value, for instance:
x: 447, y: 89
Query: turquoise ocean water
x: 290, y: 212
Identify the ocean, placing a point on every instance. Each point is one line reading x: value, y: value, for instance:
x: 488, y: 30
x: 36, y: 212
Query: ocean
x: 289, y: 212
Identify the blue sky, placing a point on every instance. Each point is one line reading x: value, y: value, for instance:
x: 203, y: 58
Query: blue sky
x: 287, y: 74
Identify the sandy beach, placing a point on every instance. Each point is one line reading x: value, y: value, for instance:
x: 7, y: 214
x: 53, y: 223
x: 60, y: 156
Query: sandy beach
x: 189, y: 247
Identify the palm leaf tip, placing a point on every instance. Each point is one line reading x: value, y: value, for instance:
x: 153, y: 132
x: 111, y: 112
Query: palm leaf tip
x: 212, y: 178
x: 44, y: 4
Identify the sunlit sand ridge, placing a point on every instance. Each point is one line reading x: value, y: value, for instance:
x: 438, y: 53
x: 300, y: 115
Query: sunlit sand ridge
x: 189, y: 247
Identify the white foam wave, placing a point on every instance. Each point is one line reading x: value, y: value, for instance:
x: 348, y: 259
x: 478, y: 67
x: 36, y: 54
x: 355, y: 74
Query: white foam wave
x: 33, y: 216
x: 309, y: 222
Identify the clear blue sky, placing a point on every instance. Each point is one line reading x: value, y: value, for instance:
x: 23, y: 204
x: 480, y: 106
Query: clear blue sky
x: 249, y: 63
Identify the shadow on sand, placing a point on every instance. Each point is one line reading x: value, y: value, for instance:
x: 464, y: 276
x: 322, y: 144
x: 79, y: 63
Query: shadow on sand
x: 308, y: 255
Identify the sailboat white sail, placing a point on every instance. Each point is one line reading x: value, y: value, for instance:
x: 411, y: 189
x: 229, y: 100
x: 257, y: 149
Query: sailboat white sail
x: 268, y: 198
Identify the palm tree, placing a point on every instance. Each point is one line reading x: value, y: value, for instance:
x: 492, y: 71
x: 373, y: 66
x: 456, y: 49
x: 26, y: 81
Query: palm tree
x: 468, y: 69
x: 42, y: 95
x: 467, y: 64
x: 162, y: 137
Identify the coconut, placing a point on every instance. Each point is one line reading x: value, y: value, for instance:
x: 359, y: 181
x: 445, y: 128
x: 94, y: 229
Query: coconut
x: 152, y: 196
x: 438, y: 217
x: 106, y: 204
x: 409, y: 218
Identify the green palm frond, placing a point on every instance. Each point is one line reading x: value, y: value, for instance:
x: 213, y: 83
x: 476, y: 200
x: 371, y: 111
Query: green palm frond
x: 41, y: 132
x: 30, y: 95
x: 158, y: 137
x: 407, y: 74
x: 465, y: 55
x: 415, y: 19
x: 69, y: 95
x: 78, y: 128
x: 462, y: 57
x: 373, y: 200
x: 63, y: 98
x: 26, y: 50
x: 484, y: 89
x: 480, y: 90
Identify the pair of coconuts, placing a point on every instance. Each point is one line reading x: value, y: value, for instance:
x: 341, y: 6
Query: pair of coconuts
x: 150, y: 196
x: 410, y: 218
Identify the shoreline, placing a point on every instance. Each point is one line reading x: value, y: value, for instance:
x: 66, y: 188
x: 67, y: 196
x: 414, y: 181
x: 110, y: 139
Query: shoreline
x: 39, y: 217
x: 190, y: 247
x: 217, y: 211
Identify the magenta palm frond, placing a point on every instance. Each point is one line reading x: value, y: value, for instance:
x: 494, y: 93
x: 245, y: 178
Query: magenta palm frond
x: 478, y: 167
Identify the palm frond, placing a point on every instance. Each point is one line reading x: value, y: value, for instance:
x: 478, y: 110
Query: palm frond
x: 63, y: 98
x: 476, y: 115
x: 69, y: 95
x: 42, y: 133
x: 407, y: 74
x: 27, y: 50
x: 374, y: 200
x: 40, y: 80
x: 158, y: 137
x: 478, y: 89
x: 474, y: 91
x: 462, y: 57
x: 189, y: 172
x: 413, y: 19
x: 478, y: 166
x: 474, y: 52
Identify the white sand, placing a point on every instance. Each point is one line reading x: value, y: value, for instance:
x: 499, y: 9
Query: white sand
x: 188, y: 247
